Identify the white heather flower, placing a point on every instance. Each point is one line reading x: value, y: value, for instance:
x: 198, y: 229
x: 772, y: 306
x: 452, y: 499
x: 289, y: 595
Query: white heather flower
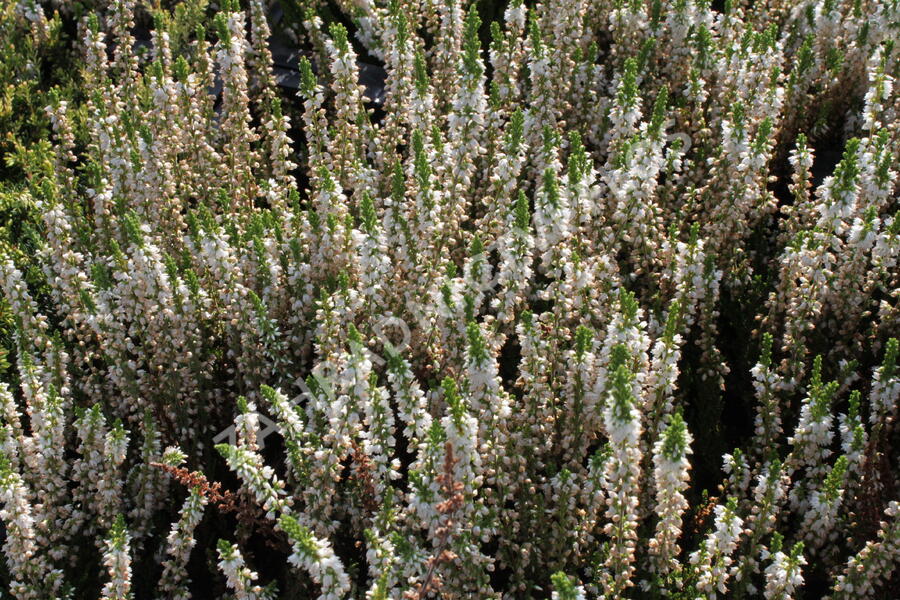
x: 784, y: 574
x: 117, y: 558
x: 874, y: 563
x: 884, y: 396
x: 180, y: 542
x: 670, y: 473
x: 317, y: 557
x: 713, y: 559
x: 623, y: 470
x: 564, y: 589
x: 238, y: 577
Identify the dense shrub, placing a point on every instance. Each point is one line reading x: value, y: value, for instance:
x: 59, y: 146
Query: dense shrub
x: 599, y: 299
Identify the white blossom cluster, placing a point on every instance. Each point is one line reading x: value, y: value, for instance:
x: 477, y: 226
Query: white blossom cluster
x: 486, y: 339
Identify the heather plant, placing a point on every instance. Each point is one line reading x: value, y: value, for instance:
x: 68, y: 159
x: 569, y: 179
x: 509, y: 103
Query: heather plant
x: 594, y: 300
